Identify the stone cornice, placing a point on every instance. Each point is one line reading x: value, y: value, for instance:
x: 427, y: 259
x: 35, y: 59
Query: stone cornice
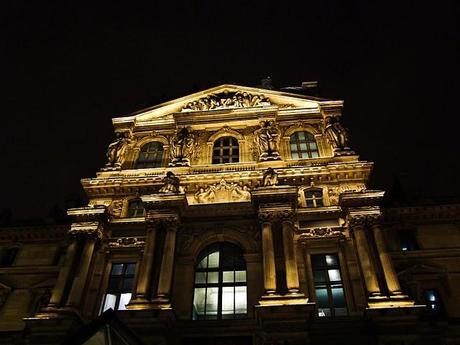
x: 363, y: 198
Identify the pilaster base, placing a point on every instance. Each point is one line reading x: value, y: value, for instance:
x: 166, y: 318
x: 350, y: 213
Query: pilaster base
x: 393, y: 301
x: 278, y: 300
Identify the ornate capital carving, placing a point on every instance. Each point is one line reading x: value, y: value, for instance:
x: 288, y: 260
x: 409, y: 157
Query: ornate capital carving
x: 86, y: 230
x: 162, y: 218
x: 357, y: 223
x: 274, y: 214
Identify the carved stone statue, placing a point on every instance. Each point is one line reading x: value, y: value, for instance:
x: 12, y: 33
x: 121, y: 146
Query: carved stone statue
x: 182, y: 147
x: 336, y: 134
x: 267, y: 138
x: 116, y: 151
x: 270, y: 178
x: 170, y: 183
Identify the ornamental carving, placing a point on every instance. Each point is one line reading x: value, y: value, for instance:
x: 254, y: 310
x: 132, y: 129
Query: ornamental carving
x: 166, y: 218
x: 116, y: 151
x: 267, y: 139
x: 116, y: 208
x: 89, y: 230
x: 227, y: 99
x: 127, y: 242
x: 321, y: 232
x: 170, y: 184
x: 269, y: 178
x: 222, y: 192
x: 182, y: 146
x: 274, y: 215
x: 334, y: 193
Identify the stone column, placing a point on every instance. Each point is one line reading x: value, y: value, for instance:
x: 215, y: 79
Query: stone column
x: 144, y: 276
x: 167, y: 262
x: 388, y: 270
x: 268, y: 252
x: 292, y: 274
x: 79, y: 282
x: 63, y: 277
x: 367, y: 267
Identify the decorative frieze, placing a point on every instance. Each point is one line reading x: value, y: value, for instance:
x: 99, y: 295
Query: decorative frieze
x: 222, y: 192
x: 320, y: 232
x: 86, y: 230
x: 127, y: 242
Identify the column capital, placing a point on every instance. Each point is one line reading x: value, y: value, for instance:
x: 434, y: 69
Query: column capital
x: 357, y: 223
x: 162, y: 217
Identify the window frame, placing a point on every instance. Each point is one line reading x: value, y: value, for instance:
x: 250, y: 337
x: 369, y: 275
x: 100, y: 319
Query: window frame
x: 145, y: 163
x: 136, y: 201
x: 119, y: 291
x: 220, y: 285
x: 294, y: 140
x: 232, y: 145
x: 329, y: 284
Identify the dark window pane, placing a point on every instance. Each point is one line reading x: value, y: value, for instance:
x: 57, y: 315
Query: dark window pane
x: 322, y: 298
x: 318, y: 261
x: 128, y: 284
x: 225, y: 150
x: 130, y: 268
x: 303, y: 145
x: 319, y: 276
x: 338, y: 298
x: 117, y: 269
x: 114, y: 283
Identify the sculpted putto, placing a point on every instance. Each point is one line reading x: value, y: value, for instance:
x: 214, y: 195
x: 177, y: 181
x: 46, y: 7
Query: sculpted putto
x: 182, y: 147
x: 116, y: 151
x: 267, y: 139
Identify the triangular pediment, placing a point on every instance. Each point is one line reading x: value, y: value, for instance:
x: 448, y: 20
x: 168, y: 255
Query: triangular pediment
x: 225, y: 97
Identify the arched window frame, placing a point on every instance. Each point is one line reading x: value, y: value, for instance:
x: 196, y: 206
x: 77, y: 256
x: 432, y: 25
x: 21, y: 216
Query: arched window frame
x: 218, y: 281
x: 157, y: 162
x: 311, y: 150
x: 226, y: 132
x: 220, y: 146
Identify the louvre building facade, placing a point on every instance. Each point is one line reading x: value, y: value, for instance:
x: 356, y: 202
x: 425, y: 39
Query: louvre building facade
x: 234, y: 215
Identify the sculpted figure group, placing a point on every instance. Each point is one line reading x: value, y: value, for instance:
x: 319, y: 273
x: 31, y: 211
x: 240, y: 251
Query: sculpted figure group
x: 182, y: 147
x: 116, y: 151
x: 227, y: 99
x: 336, y: 134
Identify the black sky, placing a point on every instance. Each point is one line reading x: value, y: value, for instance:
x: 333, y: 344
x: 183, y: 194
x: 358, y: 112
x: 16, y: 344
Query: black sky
x: 67, y: 69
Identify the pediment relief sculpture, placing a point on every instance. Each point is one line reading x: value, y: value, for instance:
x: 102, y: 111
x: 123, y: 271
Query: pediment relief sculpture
x: 228, y: 99
x: 222, y: 192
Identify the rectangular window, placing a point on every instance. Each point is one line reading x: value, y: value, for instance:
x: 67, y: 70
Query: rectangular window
x: 121, y: 282
x: 330, y: 296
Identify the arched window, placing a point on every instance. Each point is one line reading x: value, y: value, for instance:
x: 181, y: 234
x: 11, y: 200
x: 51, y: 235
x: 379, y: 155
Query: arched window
x: 314, y: 197
x: 225, y: 150
x: 150, y: 156
x: 220, y: 284
x: 136, y: 208
x: 303, y: 145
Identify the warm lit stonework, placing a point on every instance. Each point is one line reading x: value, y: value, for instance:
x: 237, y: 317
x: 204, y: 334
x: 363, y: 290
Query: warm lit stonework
x: 235, y: 215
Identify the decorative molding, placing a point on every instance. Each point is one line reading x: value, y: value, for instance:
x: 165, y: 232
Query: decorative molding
x: 127, y: 242
x: 86, y: 230
x: 222, y: 192
x: 227, y: 99
x: 320, y: 232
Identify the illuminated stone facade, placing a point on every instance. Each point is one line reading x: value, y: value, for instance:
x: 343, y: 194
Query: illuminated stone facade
x: 237, y: 216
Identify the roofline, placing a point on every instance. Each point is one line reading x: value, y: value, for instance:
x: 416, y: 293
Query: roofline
x: 223, y: 86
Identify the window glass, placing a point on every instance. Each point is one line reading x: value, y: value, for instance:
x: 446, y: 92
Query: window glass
x: 120, y: 286
x: 150, y: 156
x: 433, y: 302
x: 136, y: 208
x: 330, y: 297
x: 313, y: 197
x: 303, y: 145
x: 220, y: 284
x: 407, y: 240
x: 225, y: 150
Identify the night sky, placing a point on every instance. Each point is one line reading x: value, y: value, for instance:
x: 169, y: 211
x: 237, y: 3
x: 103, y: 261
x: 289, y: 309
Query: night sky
x: 67, y: 69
